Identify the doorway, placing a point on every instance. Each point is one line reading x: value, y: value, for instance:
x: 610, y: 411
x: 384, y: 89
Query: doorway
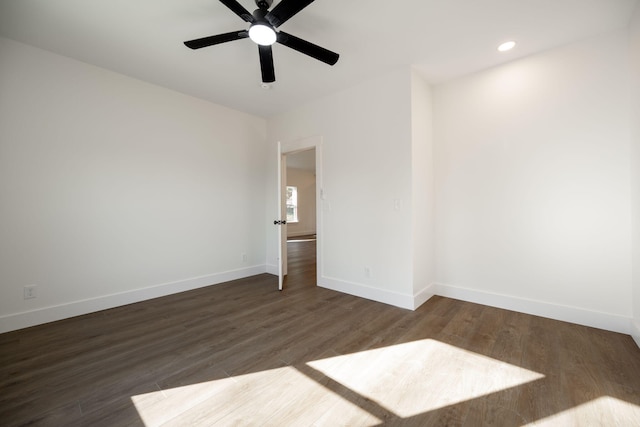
x: 306, y: 240
x: 301, y: 211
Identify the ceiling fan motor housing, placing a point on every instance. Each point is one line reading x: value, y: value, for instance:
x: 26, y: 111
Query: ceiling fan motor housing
x: 264, y: 4
x: 260, y: 16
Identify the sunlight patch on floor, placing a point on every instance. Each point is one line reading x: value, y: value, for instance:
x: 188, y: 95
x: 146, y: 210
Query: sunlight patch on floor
x: 603, y: 411
x: 270, y: 397
x: 366, y: 387
x: 397, y: 377
x: 159, y: 407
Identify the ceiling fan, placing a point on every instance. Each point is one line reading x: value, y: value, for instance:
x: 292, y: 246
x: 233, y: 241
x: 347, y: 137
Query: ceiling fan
x: 263, y: 32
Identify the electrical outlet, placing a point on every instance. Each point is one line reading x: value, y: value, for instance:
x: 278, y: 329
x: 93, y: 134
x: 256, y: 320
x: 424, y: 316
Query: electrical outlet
x: 243, y: 257
x: 367, y: 272
x: 30, y: 291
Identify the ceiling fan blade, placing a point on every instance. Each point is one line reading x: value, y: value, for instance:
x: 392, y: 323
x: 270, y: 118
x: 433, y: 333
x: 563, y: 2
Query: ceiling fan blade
x: 217, y: 39
x: 285, y: 10
x: 266, y: 64
x: 239, y: 10
x: 308, y: 48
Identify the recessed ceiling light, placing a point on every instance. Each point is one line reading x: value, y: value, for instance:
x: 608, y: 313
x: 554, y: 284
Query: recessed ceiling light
x: 506, y: 46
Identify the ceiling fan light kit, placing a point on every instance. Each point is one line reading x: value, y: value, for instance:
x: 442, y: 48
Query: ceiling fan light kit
x: 263, y: 32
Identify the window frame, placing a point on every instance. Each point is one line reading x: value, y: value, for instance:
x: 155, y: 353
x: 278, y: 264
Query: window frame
x: 294, y: 204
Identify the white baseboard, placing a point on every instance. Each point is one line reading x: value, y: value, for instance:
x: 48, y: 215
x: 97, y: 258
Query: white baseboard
x: 272, y: 269
x: 299, y: 233
x: 410, y: 302
x: 635, y: 331
x: 12, y: 322
x: 580, y: 316
x: 364, y: 291
x: 423, y: 296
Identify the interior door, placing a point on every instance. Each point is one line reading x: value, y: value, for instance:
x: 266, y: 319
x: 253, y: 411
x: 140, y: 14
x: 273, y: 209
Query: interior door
x: 281, y: 217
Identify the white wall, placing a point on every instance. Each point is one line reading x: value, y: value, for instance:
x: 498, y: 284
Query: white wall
x: 635, y: 165
x: 305, y: 181
x: 532, y: 177
x: 423, y: 191
x: 366, y: 157
x: 113, y: 190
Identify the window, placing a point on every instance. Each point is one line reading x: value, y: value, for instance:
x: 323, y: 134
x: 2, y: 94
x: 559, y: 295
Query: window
x: 292, y: 204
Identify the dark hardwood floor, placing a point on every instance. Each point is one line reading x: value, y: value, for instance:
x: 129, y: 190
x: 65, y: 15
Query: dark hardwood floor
x: 301, y: 262
x: 242, y: 353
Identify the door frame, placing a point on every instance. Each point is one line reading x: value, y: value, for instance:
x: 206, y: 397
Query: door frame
x: 292, y: 147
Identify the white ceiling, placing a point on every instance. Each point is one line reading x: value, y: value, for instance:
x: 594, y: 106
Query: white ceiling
x: 442, y: 38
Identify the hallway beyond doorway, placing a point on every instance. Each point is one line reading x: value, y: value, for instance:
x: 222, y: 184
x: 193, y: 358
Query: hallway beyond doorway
x: 301, y: 261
